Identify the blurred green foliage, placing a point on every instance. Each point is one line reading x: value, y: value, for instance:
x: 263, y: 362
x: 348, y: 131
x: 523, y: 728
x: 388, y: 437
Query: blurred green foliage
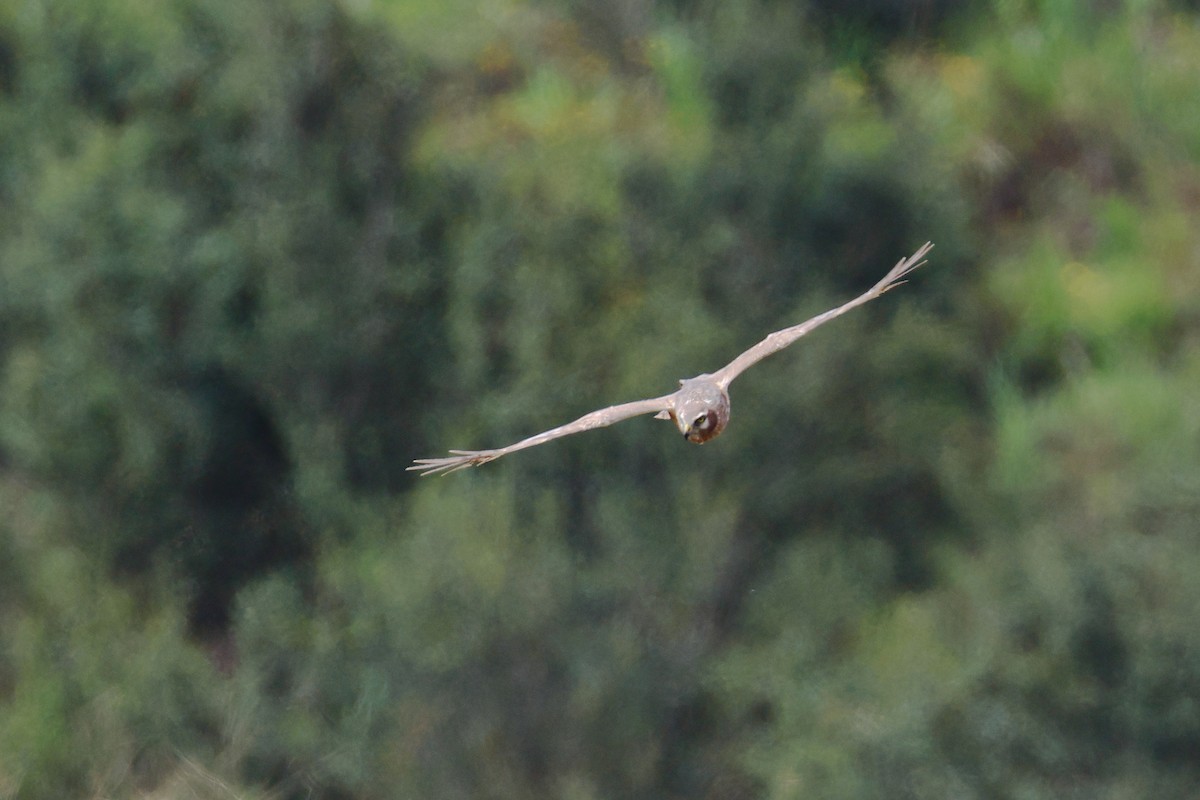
x: 254, y: 258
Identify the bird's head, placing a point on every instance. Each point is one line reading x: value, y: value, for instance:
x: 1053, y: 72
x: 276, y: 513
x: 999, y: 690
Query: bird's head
x: 701, y: 409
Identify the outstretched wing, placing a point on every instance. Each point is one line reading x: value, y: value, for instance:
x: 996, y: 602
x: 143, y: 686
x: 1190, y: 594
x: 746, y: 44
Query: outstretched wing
x: 461, y: 459
x: 781, y: 339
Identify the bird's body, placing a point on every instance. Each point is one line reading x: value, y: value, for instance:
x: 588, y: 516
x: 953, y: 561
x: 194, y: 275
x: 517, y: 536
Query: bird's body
x: 700, y: 407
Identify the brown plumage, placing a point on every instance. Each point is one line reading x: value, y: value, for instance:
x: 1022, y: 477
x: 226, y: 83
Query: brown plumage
x: 700, y: 407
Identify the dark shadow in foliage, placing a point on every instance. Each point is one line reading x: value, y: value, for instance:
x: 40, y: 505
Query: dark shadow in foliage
x: 236, y: 489
x: 8, y: 65
x: 857, y: 222
x: 862, y: 30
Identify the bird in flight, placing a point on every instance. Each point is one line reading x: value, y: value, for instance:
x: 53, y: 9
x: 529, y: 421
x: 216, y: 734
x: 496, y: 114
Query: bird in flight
x: 700, y: 407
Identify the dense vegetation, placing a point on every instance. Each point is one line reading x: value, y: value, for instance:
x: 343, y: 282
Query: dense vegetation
x: 255, y: 257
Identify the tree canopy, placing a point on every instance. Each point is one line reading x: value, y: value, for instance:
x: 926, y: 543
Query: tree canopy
x: 256, y: 257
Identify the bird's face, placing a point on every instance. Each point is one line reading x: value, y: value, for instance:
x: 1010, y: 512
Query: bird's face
x: 701, y: 410
x: 704, y: 427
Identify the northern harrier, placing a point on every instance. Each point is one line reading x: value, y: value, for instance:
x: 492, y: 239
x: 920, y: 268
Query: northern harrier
x: 700, y: 407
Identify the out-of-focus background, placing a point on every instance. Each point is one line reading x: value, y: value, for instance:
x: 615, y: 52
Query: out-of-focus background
x: 255, y: 257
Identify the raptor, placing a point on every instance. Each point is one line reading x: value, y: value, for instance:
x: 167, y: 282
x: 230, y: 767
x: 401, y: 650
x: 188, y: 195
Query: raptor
x: 700, y: 406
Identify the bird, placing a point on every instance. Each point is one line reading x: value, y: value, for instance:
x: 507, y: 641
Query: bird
x: 700, y: 406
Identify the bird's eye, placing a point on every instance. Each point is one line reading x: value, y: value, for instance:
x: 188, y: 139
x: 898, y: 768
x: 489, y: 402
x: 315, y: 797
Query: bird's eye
x: 701, y: 421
